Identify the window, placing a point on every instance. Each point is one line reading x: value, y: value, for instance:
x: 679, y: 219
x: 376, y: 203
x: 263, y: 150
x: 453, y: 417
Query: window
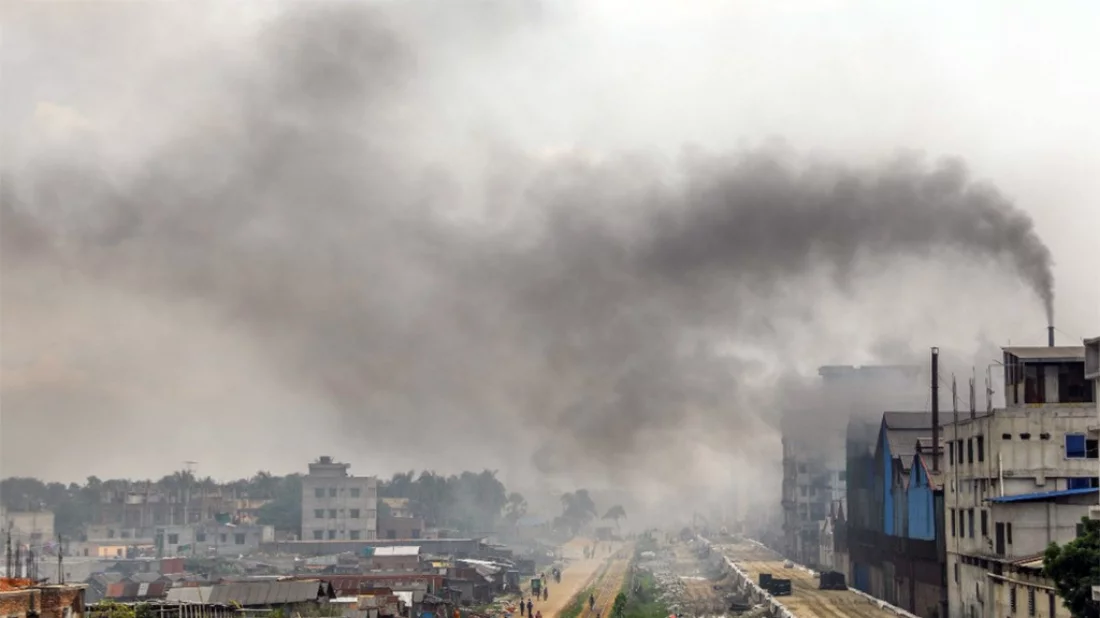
x: 318, y: 535
x: 332, y: 513
x: 970, y: 450
x: 222, y: 537
x: 354, y: 492
x: 1008, y: 532
x: 354, y: 513
x: 952, y: 522
x: 1030, y: 601
x: 956, y: 572
x: 238, y: 538
x: 1075, y: 446
x: 802, y: 490
x: 319, y: 492
x: 1050, y: 604
x: 331, y: 492
x: 331, y: 534
x: 1006, y: 436
x: 200, y: 537
x: 951, y: 452
x: 1091, y: 449
x: 1082, y: 482
x: 1012, y: 599
x: 173, y: 539
x: 415, y: 533
x: 981, y: 447
x: 985, y: 523
x: 391, y: 534
x: 1025, y: 436
x: 353, y: 535
x: 970, y: 526
x: 318, y: 513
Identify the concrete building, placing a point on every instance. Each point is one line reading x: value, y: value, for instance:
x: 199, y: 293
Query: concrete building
x: 337, y: 506
x: 813, y: 486
x: 213, y: 538
x: 1017, y: 479
x: 32, y: 528
x: 398, y: 558
x: 814, y: 490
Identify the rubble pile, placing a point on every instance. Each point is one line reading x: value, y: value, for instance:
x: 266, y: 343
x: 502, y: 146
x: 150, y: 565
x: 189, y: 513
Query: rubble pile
x: 693, y: 582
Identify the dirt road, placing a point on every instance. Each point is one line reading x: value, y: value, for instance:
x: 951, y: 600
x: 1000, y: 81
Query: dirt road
x: 610, y: 582
x: 577, y: 574
x: 806, y: 601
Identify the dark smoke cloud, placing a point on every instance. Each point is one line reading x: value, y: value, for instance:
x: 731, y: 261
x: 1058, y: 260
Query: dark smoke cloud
x: 576, y: 309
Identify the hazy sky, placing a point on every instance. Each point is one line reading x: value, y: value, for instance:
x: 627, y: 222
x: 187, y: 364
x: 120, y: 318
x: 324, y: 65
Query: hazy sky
x: 147, y: 358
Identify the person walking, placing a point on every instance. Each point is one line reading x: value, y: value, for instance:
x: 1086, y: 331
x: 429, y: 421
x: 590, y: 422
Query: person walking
x: 530, y: 606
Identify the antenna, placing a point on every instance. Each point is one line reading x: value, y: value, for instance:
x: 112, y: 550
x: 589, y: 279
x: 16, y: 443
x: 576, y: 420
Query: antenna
x: 973, y: 396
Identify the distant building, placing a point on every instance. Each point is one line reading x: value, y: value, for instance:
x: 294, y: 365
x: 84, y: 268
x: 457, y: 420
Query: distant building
x: 213, y: 538
x: 400, y: 528
x: 1018, y: 479
x: 399, y: 558
x: 815, y: 476
x: 33, y: 528
x: 398, y: 507
x: 337, y: 506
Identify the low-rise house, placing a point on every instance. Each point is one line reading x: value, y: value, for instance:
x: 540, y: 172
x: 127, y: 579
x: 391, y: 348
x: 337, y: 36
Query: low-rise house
x: 400, y: 527
x: 397, y: 558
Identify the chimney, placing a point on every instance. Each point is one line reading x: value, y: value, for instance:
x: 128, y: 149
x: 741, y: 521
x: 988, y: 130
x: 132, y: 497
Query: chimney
x: 935, y: 409
x: 1050, y: 336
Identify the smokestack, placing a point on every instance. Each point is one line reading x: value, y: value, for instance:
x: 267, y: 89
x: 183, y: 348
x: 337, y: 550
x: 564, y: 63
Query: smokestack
x: 935, y: 409
x: 1050, y: 336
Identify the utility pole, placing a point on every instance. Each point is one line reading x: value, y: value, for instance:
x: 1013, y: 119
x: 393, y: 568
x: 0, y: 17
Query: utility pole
x: 935, y: 409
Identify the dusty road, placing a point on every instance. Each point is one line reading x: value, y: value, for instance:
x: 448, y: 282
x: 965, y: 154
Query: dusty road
x: 577, y: 574
x: 806, y: 601
x: 610, y: 582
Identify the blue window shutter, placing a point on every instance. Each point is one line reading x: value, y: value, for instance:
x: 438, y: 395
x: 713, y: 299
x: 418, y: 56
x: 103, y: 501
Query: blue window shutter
x: 1075, y: 445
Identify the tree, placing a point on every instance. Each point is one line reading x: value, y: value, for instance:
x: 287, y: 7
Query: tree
x: 1075, y: 569
x: 515, y: 508
x: 616, y: 513
x: 285, y: 509
x: 577, y: 509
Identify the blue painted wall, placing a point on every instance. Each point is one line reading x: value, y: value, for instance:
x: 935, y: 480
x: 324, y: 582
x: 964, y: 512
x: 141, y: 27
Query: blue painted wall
x: 886, y: 479
x: 921, y: 505
x: 862, y: 577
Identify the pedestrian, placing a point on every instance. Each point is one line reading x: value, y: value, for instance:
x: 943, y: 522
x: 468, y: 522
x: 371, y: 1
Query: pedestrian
x: 530, y: 606
x: 521, y: 606
x: 546, y: 593
x: 591, y: 602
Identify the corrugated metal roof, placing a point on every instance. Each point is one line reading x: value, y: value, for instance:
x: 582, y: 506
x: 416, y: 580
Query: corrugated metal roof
x: 190, y: 594
x: 397, y: 550
x: 1045, y: 495
x: 1049, y: 354
x: 266, y: 593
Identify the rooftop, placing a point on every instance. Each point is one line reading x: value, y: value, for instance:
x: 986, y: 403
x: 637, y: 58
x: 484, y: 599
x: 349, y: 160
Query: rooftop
x: 1045, y: 495
x: 1049, y: 354
x: 397, y: 550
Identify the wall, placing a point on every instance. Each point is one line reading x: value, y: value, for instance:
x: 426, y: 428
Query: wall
x: 1035, y: 525
x: 49, y: 601
x: 1029, y: 585
x: 921, y: 506
x: 29, y: 527
x: 400, y: 528
x: 394, y: 563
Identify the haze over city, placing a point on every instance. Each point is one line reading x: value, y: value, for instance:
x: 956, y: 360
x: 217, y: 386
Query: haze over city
x: 583, y: 243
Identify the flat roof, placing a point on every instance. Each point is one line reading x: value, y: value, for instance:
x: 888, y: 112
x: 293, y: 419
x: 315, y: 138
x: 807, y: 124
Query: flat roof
x: 1047, y: 353
x: 1046, y: 495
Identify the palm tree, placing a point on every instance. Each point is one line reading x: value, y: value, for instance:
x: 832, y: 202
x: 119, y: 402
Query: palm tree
x: 616, y: 513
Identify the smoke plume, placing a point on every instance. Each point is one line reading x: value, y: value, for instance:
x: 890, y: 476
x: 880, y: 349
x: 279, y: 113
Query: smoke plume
x: 306, y: 221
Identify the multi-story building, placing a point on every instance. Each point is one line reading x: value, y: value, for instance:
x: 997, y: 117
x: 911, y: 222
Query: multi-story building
x: 31, y: 528
x: 1018, y: 479
x: 336, y: 505
x: 814, y: 487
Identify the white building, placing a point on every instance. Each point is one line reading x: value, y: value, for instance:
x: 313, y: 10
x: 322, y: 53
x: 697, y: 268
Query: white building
x: 214, y: 538
x: 336, y: 505
x: 31, y: 528
x: 1017, y: 479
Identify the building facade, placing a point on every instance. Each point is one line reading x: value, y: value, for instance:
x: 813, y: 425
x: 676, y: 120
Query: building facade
x: 890, y: 538
x: 31, y: 528
x: 337, y: 506
x: 1018, y: 479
